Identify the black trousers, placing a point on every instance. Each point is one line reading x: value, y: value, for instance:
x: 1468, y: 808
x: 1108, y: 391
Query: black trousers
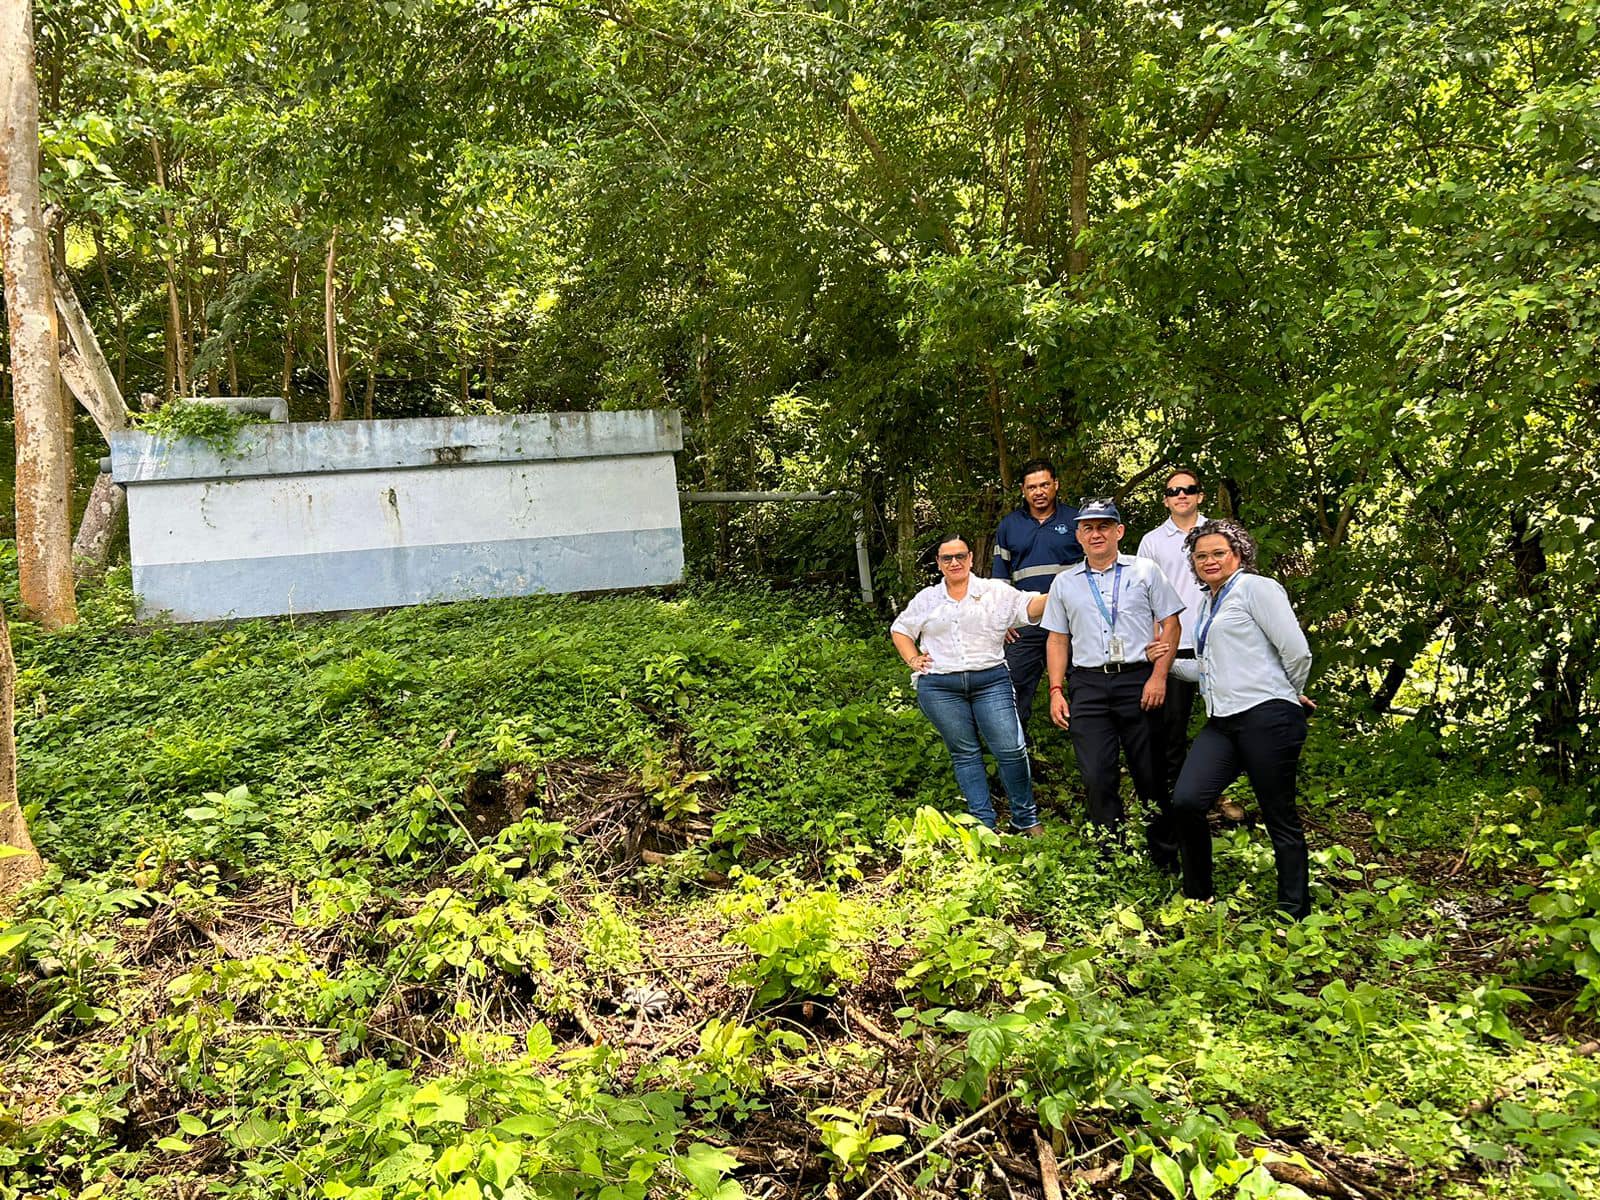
x: 1264, y: 742
x: 1106, y: 719
x: 1025, y: 661
x: 1175, y: 714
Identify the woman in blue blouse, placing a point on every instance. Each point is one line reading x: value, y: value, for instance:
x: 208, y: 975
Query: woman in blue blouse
x: 1252, y: 662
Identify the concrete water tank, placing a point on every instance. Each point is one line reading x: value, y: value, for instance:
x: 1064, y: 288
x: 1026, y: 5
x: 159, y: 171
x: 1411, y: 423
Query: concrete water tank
x: 328, y: 516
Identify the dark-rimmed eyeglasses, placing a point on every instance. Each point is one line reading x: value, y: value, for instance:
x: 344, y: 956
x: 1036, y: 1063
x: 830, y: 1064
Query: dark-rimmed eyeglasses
x: 1184, y: 489
x: 950, y: 560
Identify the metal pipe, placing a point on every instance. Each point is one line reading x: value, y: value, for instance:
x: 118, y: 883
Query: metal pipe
x: 863, y: 561
x: 274, y: 408
x: 758, y: 497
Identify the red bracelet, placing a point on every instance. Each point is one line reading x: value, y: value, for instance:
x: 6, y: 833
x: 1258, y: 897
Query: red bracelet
x: 1055, y: 687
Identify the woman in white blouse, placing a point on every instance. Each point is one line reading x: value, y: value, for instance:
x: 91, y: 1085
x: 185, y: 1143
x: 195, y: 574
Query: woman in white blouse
x: 1251, y: 661
x: 952, y: 636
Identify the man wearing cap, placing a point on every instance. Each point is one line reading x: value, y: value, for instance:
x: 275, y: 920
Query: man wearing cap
x: 1163, y: 545
x: 1100, y: 616
x: 1033, y: 545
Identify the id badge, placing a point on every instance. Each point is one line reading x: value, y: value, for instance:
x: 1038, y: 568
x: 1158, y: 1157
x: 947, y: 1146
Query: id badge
x: 1115, y: 651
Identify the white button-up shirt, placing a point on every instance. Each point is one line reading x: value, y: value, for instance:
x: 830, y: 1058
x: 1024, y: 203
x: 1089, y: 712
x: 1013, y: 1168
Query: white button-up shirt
x: 967, y: 634
x: 1145, y: 599
x: 1255, y: 650
x: 1163, y: 546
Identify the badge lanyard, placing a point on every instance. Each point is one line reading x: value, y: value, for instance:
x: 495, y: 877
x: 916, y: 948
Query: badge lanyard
x: 1204, y: 632
x: 1100, y: 601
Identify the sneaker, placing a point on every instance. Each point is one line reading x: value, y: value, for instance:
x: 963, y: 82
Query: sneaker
x: 1231, y: 810
x: 1035, y: 830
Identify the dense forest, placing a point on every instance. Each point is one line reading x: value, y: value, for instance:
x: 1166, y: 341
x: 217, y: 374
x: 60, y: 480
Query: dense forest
x: 662, y: 896
x: 1343, y: 258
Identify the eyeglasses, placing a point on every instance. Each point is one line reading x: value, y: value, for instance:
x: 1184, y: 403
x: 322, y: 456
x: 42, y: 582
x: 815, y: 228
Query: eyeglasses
x: 948, y: 560
x: 1184, y: 489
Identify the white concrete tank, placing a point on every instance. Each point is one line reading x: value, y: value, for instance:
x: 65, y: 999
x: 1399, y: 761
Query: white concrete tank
x: 329, y: 516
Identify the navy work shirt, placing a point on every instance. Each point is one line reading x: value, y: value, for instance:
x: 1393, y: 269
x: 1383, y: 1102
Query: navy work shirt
x: 1032, y: 553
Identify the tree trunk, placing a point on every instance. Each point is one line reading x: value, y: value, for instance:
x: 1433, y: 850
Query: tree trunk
x: 121, y: 378
x: 291, y: 331
x: 88, y: 377
x: 177, y: 367
x: 372, y: 388
x: 330, y: 318
x: 20, y: 863
x: 83, y: 364
x: 1078, y: 149
x: 905, y: 547
x: 997, y: 427
x: 44, y: 531
x: 103, y: 519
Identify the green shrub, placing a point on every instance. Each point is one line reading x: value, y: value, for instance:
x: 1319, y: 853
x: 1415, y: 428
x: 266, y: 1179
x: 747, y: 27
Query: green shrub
x: 807, y: 948
x: 1568, y: 908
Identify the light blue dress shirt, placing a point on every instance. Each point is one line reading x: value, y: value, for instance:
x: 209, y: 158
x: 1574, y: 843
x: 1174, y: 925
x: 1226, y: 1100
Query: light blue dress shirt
x: 1255, y: 650
x: 1163, y: 546
x: 1146, y: 598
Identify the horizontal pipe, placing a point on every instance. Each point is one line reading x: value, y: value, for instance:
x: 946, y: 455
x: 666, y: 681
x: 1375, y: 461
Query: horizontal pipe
x: 758, y: 497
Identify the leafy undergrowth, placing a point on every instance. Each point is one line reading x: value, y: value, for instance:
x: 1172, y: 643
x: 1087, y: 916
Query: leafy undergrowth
x: 635, y: 897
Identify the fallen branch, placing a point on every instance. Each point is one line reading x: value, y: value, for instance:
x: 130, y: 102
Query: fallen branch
x: 1527, y: 1079
x: 1049, y: 1169
x: 875, y: 1031
x: 1306, y: 1181
x: 216, y: 939
x: 944, y: 1137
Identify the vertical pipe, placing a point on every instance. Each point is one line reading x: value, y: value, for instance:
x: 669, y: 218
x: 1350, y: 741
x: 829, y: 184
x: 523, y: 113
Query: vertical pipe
x: 863, y: 563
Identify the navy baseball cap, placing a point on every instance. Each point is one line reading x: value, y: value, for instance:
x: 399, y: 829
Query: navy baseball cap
x: 1099, y: 510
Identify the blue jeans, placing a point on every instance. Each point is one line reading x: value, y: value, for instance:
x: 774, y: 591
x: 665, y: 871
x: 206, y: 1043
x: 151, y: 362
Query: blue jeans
x: 964, y: 704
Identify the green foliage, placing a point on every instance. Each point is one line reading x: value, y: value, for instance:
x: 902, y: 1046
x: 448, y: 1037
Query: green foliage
x: 228, y: 827
x: 849, y: 1138
x: 370, y: 675
x: 309, y: 932
x: 216, y: 426
x: 810, y: 946
x: 1568, y: 910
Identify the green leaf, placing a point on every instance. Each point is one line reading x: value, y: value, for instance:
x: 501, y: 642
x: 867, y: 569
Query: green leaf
x: 539, y: 1042
x: 704, y: 1166
x: 256, y: 1131
x: 191, y: 1124
x: 176, y: 1145
x: 1169, y: 1172
x: 500, y: 1163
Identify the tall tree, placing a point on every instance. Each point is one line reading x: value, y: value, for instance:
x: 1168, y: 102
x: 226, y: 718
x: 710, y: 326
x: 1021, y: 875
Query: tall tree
x: 44, y: 529
x: 19, y: 861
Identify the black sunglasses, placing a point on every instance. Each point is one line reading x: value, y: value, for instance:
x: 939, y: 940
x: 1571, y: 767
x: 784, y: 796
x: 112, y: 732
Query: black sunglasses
x: 1185, y: 489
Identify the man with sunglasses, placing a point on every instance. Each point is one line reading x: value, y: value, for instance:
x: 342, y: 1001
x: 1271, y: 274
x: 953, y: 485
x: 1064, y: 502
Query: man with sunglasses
x: 1100, y: 617
x: 1183, y: 494
x: 1033, y: 545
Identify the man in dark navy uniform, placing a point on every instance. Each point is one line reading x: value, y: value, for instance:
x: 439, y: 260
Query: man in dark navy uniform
x: 1033, y: 545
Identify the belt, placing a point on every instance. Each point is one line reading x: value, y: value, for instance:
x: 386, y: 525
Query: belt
x: 1112, y: 668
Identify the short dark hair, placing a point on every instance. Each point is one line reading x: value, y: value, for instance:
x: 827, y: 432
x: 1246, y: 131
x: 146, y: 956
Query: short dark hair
x: 1189, y: 471
x: 1033, y: 466
x: 952, y: 537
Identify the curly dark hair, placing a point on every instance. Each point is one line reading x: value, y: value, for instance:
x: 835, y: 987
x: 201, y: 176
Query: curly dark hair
x: 1239, y: 540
